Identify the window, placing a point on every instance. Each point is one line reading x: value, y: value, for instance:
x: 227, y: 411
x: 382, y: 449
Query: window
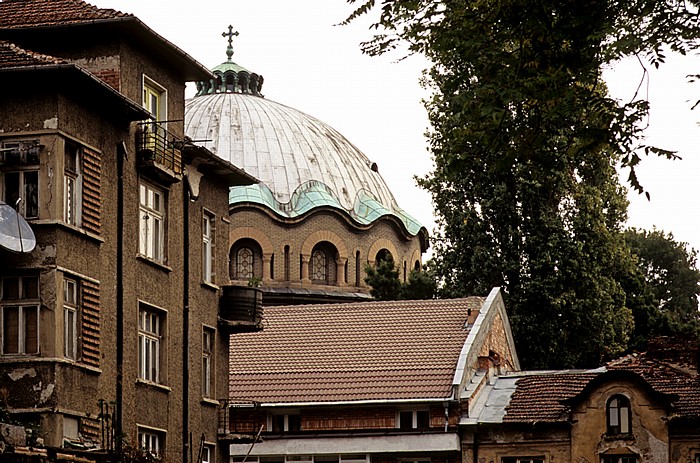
x: 19, y: 310
x: 150, y: 337
x: 21, y: 190
x: 71, y: 184
x: 244, y: 263
x: 70, y: 319
x: 618, y: 415
x: 208, y: 248
x: 154, y: 97
x: 413, y: 419
x: 20, y: 176
x: 318, y: 266
x: 207, y: 361
x: 207, y: 454
x: 619, y: 458
x: 152, y: 222
x: 522, y: 460
x: 285, y: 423
x: 151, y: 441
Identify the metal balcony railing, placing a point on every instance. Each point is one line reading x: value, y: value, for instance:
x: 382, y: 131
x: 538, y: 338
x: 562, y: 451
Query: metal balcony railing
x: 155, y: 144
x: 241, y: 418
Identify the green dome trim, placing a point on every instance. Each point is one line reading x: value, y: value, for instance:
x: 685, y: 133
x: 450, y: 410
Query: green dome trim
x: 314, y: 194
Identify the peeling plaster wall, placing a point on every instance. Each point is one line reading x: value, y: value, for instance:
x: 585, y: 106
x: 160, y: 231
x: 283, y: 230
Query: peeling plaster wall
x: 648, y: 439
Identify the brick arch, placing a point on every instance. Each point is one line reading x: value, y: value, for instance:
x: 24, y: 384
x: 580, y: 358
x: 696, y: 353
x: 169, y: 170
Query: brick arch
x: 324, y: 235
x: 253, y: 234
x: 382, y: 243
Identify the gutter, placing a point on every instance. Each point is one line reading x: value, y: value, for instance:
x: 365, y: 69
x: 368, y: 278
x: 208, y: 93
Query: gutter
x: 358, y: 402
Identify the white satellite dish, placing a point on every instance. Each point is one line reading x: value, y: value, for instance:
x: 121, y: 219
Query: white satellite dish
x: 15, y: 233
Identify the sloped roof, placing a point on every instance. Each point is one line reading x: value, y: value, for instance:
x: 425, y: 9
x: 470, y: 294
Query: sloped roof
x: 23, y: 13
x: 370, y: 351
x: 13, y: 56
x: 531, y: 397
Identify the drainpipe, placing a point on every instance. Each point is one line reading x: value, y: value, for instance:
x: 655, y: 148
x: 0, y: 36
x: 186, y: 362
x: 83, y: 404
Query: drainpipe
x: 475, y: 445
x: 118, y: 422
x: 447, y: 415
x: 185, y: 320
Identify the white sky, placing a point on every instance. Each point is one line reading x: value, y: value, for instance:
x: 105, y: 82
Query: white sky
x: 316, y: 67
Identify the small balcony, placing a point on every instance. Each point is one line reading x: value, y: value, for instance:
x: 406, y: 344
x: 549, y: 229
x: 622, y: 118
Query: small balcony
x: 240, y: 309
x: 240, y: 421
x: 159, y: 152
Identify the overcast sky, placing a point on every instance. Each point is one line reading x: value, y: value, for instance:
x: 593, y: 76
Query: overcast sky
x: 316, y: 67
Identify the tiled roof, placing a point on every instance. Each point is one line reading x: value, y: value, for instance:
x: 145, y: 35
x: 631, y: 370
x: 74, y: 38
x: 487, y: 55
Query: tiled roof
x: 23, y: 13
x: 13, y: 56
x: 667, y: 377
x: 352, y: 352
x: 537, y: 398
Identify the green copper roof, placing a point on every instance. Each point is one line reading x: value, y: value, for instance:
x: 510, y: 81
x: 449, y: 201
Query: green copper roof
x: 229, y: 66
x: 314, y: 194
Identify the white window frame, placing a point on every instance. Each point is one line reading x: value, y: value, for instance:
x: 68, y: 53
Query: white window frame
x: 151, y: 440
x: 70, y: 318
x: 72, y: 185
x: 208, y: 453
x: 24, y: 306
x: 150, y: 343
x: 22, y: 186
x: 154, y: 92
x: 208, y: 246
x: 208, y: 343
x: 286, y: 415
x: 152, y: 221
x: 414, y: 417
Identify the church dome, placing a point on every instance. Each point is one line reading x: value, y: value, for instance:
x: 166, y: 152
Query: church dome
x: 301, y: 162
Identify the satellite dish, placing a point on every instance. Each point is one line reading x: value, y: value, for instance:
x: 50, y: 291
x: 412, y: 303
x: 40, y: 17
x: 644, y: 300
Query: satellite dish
x: 15, y: 233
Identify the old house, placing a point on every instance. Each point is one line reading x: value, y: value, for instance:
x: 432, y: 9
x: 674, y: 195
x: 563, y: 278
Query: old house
x: 112, y: 325
x: 644, y: 407
x: 365, y: 381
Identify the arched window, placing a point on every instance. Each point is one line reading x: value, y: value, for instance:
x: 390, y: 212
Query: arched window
x: 416, y: 266
x: 383, y: 254
x: 358, y: 269
x: 245, y: 260
x: 618, y: 415
x: 322, y: 267
x: 286, y: 263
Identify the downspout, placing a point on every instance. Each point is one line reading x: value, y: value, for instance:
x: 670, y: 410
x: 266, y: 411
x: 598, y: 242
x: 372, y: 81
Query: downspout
x: 475, y: 445
x: 186, y: 320
x: 118, y: 422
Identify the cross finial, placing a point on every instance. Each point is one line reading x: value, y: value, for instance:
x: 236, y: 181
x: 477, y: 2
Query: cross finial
x: 230, y: 34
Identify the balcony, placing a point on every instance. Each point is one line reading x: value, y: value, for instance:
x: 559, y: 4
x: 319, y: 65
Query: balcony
x: 159, y: 152
x: 240, y: 309
x: 240, y: 421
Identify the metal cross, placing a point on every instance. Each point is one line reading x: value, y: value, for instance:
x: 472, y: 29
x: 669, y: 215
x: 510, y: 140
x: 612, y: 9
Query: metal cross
x: 230, y: 34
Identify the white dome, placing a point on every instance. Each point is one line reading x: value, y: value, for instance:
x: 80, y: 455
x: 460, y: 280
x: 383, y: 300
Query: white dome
x: 283, y: 147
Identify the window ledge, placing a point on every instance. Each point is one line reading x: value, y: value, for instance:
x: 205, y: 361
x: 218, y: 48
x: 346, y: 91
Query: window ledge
x: 154, y: 263
x: 34, y: 358
x: 210, y: 286
x: 210, y: 402
x: 161, y: 387
x: 72, y: 228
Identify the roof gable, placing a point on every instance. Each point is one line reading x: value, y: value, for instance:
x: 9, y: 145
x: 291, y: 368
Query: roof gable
x: 373, y: 351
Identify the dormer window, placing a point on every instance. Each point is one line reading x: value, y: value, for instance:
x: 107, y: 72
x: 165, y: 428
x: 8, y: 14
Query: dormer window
x: 618, y: 415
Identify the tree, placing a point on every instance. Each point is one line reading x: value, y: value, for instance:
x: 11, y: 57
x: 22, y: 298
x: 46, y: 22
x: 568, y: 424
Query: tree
x: 525, y: 143
x: 386, y: 286
x: 664, y: 295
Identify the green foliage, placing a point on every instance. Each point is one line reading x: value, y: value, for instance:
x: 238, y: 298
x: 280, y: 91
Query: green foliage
x: 526, y: 143
x: 664, y: 288
x: 386, y: 286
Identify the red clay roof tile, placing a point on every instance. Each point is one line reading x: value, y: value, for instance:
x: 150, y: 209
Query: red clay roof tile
x: 13, y: 56
x: 352, y: 352
x: 26, y: 13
